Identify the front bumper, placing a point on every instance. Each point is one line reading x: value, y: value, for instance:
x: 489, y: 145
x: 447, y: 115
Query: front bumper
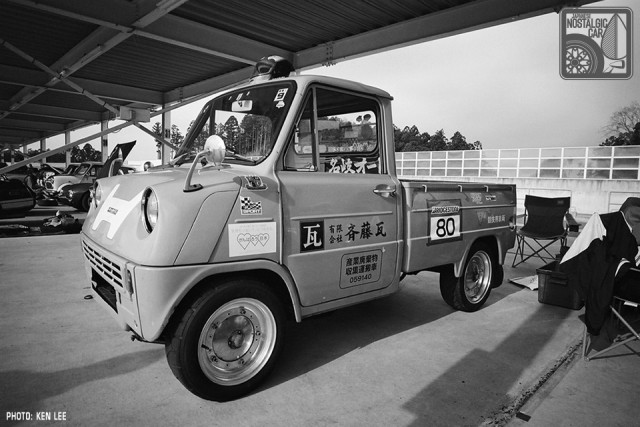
x: 140, y: 298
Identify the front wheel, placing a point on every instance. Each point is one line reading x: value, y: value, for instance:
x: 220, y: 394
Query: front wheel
x: 471, y: 290
x: 227, y: 341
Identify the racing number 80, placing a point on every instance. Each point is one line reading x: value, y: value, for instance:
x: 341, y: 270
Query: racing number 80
x: 445, y: 227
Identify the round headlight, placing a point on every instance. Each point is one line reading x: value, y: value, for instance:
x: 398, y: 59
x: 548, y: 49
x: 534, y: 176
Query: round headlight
x: 97, y: 194
x: 149, y: 209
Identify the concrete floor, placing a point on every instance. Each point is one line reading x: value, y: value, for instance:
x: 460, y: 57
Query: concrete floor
x: 406, y: 360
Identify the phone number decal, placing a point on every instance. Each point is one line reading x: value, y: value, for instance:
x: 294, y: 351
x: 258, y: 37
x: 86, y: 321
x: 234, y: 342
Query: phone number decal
x: 360, y: 268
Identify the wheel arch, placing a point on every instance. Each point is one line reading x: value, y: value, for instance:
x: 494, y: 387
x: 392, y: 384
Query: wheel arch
x: 278, y: 282
x: 491, y: 241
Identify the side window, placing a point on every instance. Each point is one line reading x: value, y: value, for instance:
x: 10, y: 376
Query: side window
x: 348, y: 135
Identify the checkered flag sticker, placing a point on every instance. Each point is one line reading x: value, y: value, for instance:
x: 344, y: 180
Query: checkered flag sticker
x: 247, y: 207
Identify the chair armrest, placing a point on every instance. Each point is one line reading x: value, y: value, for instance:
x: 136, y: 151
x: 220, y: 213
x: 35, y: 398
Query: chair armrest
x: 572, y: 224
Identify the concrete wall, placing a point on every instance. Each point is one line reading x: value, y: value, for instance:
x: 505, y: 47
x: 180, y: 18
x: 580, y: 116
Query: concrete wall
x: 587, y: 195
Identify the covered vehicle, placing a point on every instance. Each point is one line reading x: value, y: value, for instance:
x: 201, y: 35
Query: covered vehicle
x: 15, y: 197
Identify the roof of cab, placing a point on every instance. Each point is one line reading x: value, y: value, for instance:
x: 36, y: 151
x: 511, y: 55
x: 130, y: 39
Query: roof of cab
x: 306, y: 80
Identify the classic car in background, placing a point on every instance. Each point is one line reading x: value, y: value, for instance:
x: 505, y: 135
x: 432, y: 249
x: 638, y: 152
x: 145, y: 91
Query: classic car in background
x: 86, y: 172
x: 15, y: 197
x: 79, y: 195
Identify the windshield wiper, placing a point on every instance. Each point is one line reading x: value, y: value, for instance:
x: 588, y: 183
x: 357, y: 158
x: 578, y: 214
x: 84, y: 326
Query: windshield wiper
x: 177, y: 160
x: 237, y: 156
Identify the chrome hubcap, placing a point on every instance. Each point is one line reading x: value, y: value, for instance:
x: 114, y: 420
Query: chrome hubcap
x: 237, y: 341
x: 477, y: 277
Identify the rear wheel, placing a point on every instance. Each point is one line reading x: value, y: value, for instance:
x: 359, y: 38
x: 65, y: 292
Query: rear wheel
x: 227, y: 341
x: 471, y: 290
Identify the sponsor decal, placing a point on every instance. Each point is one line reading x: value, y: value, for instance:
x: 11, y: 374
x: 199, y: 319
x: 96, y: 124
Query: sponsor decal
x: 311, y: 236
x: 280, y: 95
x: 476, y: 198
x: 249, y: 207
x: 445, y: 220
x: 596, y: 43
x: 360, y: 268
x: 340, y: 233
x: 439, y: 210
x: 252, y: 238
x: 348, y: 165
x: 496, y: 219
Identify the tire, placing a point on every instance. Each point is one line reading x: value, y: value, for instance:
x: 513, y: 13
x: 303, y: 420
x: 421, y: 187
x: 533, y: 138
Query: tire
x: 582, y: 56
x: 471, y: 290
x: 85, y: 202
x: 227, y: 341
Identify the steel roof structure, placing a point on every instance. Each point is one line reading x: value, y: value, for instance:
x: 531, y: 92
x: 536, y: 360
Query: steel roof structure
x: 66, y: 64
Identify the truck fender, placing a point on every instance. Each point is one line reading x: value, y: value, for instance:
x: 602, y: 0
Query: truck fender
x: 491, y: 240
x: 255, y: 268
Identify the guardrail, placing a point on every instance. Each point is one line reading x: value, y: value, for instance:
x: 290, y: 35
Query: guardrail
x: 599, y: 163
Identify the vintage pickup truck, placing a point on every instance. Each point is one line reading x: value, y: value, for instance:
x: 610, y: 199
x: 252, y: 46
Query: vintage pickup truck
x: 282, y: 203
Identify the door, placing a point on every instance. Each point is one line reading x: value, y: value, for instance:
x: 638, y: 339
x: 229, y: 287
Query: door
x: 340, y: 207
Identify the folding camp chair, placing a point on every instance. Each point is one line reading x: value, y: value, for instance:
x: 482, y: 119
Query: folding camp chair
x: 544, y: 224
x: 616, y: 308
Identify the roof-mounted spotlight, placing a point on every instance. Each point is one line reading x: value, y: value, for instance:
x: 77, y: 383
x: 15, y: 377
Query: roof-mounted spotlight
x: 272, y: 67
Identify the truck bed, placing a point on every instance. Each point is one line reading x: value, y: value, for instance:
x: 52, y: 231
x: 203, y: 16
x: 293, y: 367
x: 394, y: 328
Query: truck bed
x: 455, y: 214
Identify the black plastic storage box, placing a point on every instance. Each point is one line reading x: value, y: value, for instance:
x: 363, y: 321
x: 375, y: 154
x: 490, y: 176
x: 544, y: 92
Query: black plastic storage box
x: 553, y: 288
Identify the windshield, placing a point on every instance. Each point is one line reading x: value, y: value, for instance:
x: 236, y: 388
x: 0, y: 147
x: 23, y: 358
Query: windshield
x: 81, y: 170
x: 248, y: 120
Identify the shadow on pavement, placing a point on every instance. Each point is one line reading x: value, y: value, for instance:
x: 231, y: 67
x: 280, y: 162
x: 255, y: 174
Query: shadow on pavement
x: 479, y: 383
x: 324, y: 338
x: 24, y: 390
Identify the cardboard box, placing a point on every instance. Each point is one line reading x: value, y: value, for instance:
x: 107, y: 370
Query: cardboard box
x: 553, y: 288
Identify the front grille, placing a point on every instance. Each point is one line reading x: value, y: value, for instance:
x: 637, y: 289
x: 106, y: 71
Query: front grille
x: 110, y: 270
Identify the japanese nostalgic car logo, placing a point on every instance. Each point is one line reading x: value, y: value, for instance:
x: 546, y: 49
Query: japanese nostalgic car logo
x: 596, y: 43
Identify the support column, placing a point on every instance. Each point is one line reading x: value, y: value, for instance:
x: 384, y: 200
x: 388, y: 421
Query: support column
x: 67, y: 140
x: 165, y: 153
x: 104, y: 146
x: 43, y: 148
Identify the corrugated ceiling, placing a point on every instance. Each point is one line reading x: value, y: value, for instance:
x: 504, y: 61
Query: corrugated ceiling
x: 150, y: 53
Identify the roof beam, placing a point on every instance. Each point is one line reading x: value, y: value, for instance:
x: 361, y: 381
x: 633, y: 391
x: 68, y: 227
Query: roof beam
x: 52, y: 112
x: 31, y: 125
x: 28, y: 77
x: 193, y: 35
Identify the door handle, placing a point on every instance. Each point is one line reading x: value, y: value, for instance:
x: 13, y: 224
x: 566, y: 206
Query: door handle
x: 384, y: 190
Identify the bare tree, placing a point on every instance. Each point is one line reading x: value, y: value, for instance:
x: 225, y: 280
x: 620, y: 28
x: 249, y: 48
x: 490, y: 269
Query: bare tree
x: 624, y: 120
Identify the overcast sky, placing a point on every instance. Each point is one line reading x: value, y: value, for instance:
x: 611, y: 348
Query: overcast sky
x: 500, y: 85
